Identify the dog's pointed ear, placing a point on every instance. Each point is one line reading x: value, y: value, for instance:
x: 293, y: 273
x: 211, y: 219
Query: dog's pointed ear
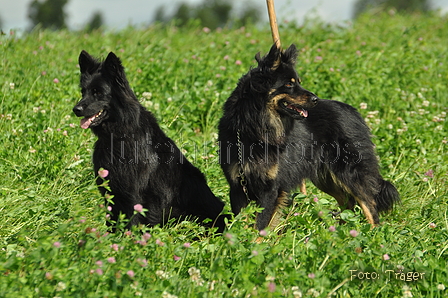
x: 272, y: 60
x: 114, y: 70
x: 274, y: 57
x: 290, y: 55
x: 86, y: 62
x: 112, y: 65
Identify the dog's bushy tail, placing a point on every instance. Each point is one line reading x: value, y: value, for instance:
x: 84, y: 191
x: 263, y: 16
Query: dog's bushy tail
x: 387, y: 197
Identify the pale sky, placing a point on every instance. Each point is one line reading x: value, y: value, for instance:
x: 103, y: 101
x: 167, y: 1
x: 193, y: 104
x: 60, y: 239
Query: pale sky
x: 120, y: 13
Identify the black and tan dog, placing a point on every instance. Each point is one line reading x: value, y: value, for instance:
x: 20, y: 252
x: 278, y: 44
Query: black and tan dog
x: 274, y: 134
x: 145, y: 166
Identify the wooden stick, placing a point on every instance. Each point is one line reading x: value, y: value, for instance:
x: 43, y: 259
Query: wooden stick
x: 273, y: 23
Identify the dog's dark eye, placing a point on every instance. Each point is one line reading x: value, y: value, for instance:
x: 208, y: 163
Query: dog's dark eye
x: 96, y: 92
x: 289, y: 85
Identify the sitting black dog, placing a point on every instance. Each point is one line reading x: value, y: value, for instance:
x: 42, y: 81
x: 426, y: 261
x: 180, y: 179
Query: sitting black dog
x: 145, y: 166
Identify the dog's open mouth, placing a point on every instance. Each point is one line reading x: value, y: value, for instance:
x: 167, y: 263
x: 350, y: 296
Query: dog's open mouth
x: 294, y: 110
x: 92, y: 120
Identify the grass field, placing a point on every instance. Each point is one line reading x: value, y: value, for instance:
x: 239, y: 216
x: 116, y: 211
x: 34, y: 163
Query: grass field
x: 53, y: 238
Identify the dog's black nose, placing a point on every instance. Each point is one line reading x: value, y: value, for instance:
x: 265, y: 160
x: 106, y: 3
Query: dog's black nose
x: 78, y: 109
x: 314, y: 99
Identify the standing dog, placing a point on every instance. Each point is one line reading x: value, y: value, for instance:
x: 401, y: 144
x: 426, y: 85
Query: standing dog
x: 274, y: 134
x: 145, y: 166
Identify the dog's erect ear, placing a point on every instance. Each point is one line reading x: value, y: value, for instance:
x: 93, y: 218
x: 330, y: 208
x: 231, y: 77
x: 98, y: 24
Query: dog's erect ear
x: 114, y: 70
x: 112, y: 65
x: 275, y: 53
x: 86, y: 62
x: 272, y: 60
x: 290, y: 55
x: 258, y: 57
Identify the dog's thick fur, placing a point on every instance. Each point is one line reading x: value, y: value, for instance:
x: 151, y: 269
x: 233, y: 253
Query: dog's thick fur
x: 145, y: 166
x: 287, y: 134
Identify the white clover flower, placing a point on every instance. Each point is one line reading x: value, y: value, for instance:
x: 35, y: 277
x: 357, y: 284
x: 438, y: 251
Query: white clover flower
x: 162, y: 274
x: 195, y: 276
x: 60, y: 286
x: 147, y: 95
x: 165, y: 294
x: 312, y: 293
x: 296, y: 292
x: 407, y: 291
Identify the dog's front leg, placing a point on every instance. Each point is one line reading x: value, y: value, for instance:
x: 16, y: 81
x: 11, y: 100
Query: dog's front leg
x: 272, y: 201
x: 238, y: 198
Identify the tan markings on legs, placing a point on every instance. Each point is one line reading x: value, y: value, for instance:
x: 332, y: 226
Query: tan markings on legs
x: 282, y: 203
x: 366, y: 211
x: 341, y: 193
x: 303, y: 187
x: 342, y: 200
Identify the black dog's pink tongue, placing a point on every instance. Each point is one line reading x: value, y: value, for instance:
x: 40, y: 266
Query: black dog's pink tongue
x: 85, y: 122
x: 303, y: 112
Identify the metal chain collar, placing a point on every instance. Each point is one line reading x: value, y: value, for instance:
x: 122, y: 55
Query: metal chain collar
x: 241, y: 174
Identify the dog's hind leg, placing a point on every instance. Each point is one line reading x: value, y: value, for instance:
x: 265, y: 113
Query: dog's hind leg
x: 347, y: 196
x: 369, y: 211
x: 328, y: 183
x: 377, y: 198
x: 347, y: 200
x: 355, y: 191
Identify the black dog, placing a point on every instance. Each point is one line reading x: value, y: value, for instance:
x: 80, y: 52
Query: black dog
x: 270, y: 142
x: 145, y: 166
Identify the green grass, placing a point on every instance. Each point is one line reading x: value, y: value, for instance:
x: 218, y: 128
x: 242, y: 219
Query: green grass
x: 52, y: 222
